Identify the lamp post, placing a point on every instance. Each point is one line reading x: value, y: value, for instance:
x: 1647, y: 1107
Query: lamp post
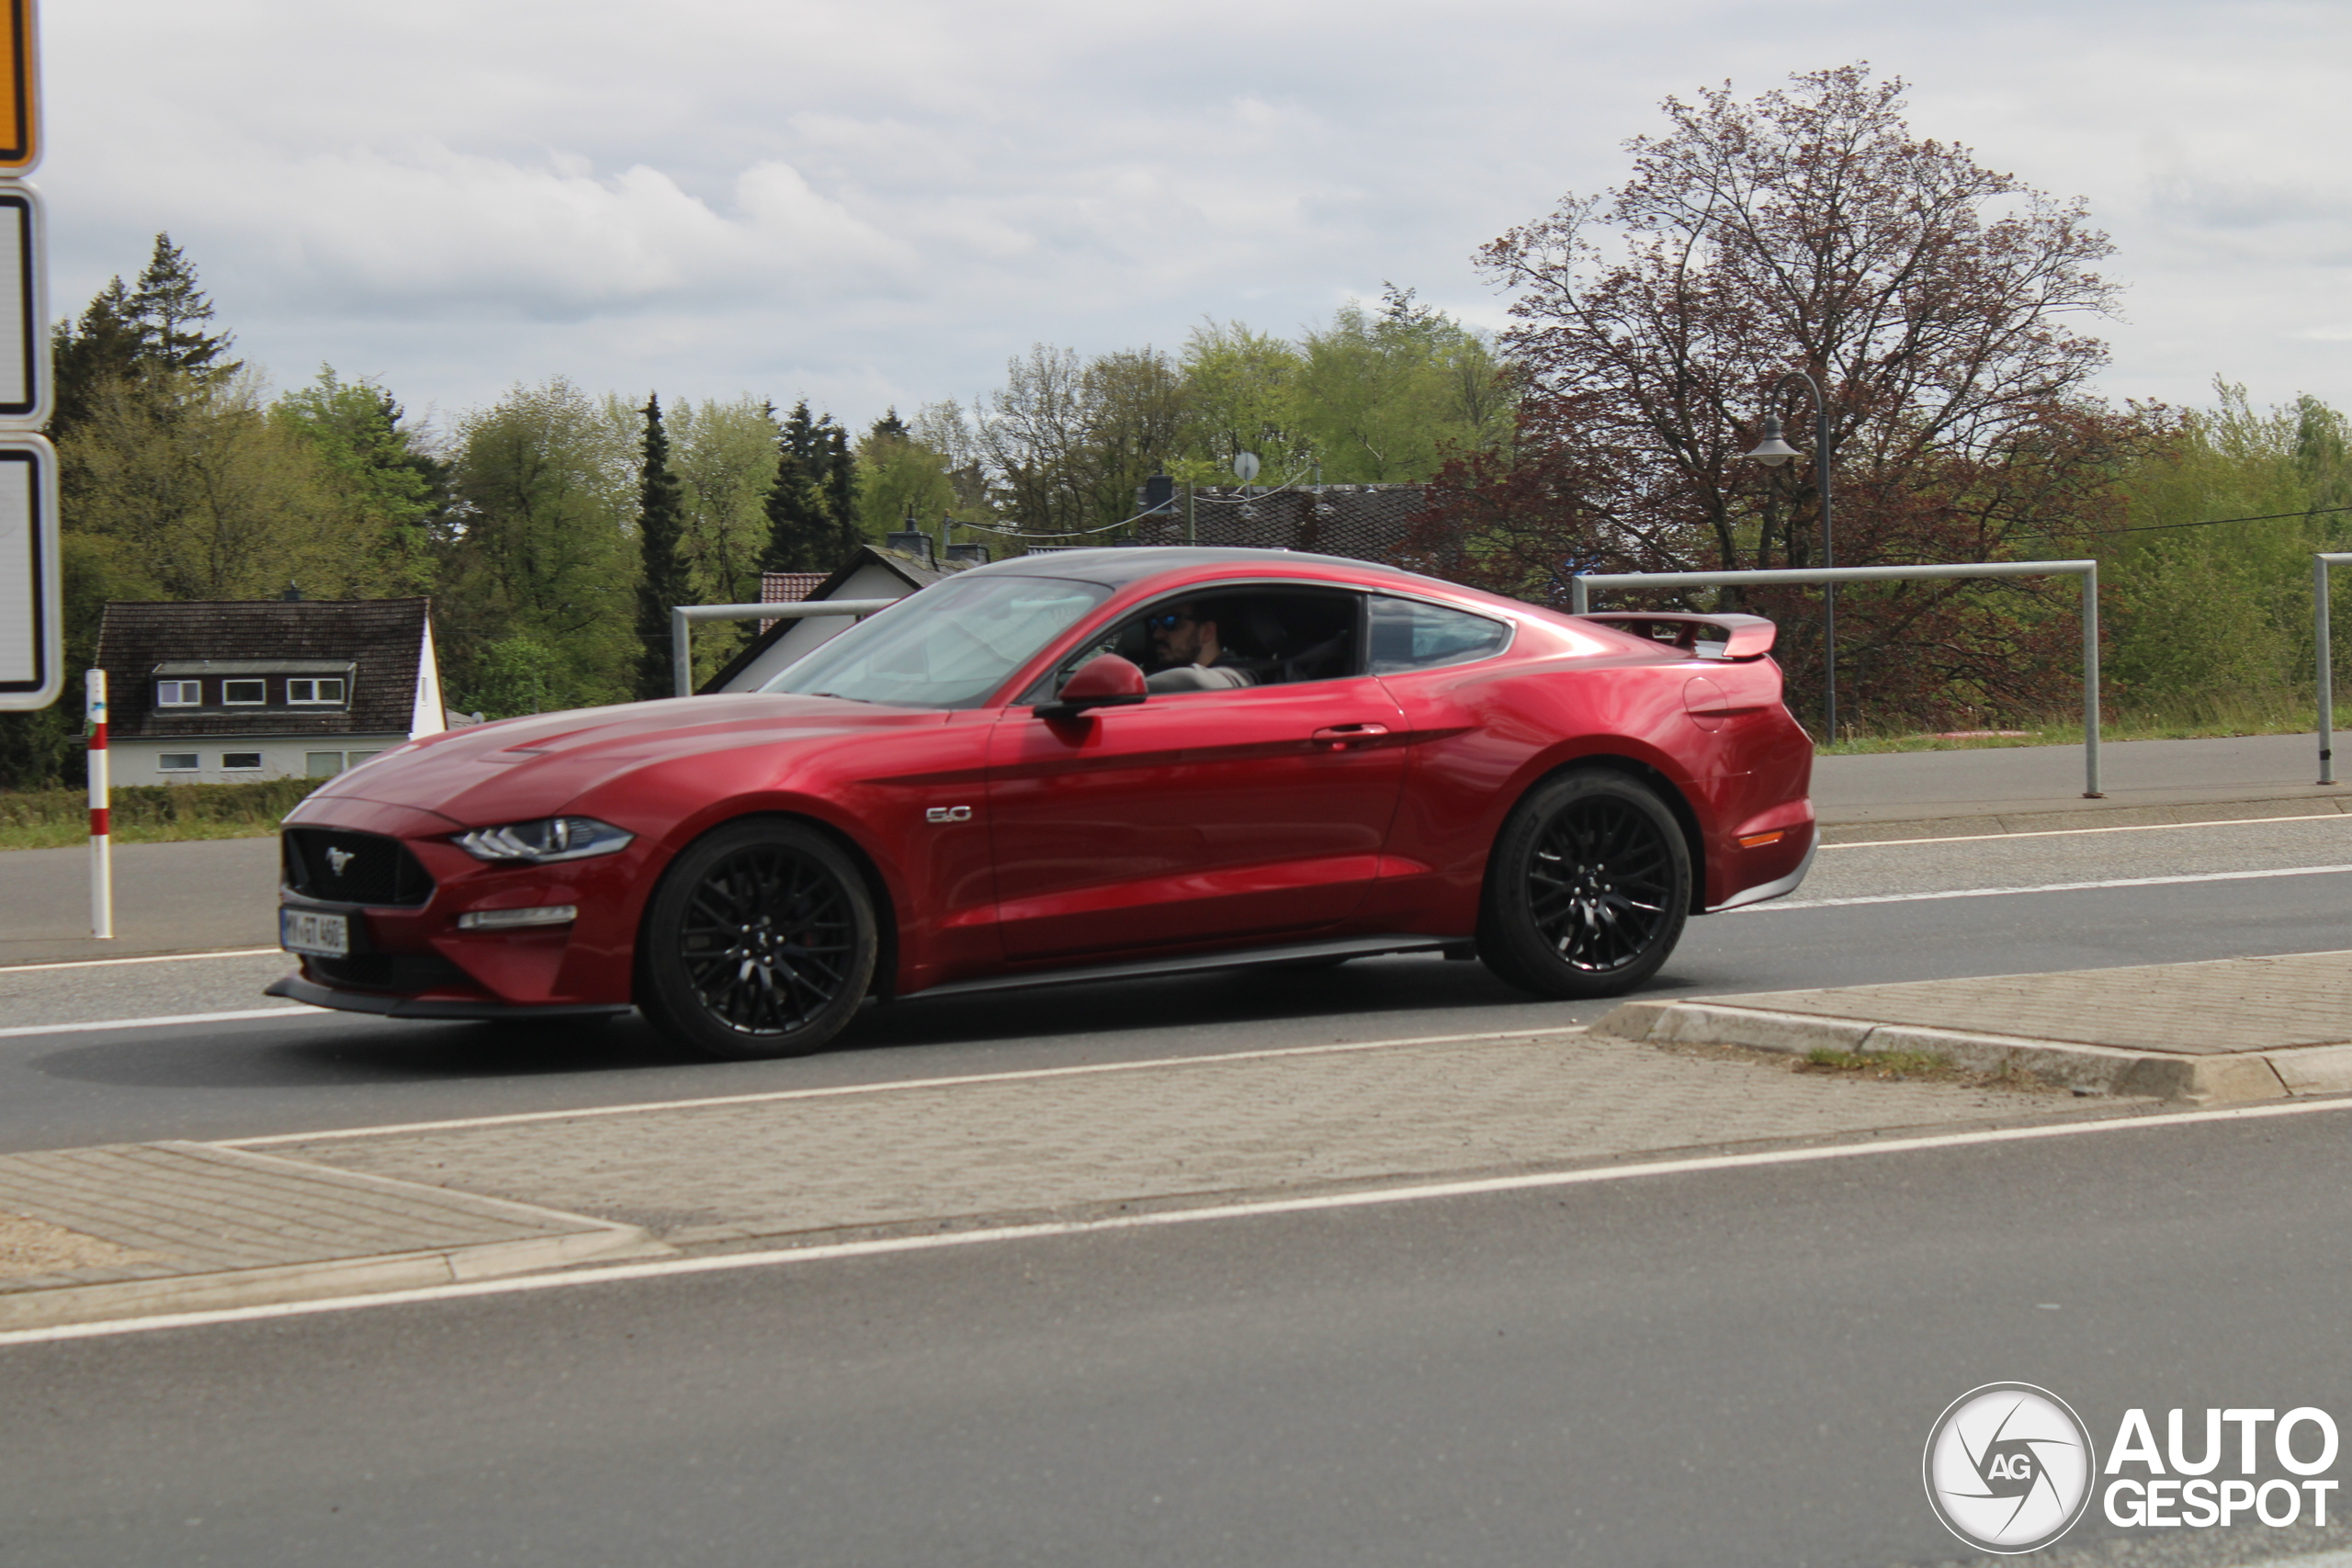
x: 1773, y: 451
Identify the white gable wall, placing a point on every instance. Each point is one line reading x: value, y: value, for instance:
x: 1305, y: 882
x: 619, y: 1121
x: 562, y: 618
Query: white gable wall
x: 871, y: 581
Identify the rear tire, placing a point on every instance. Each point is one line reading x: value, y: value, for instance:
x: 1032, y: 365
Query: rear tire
x: 760, y: 942
x: 1587, y: 889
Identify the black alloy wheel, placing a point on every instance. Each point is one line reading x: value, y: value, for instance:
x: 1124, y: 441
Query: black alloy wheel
x: 1588, y: 887
x: 760, y: 942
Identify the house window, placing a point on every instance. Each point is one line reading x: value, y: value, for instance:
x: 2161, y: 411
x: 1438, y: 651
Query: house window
x: 360, y: 757
x: 241, y: 761
x: 321, y: 765
x: 308, y: 690
x: 176, y: 762
x: 179, y: 694
x: 244, y: 693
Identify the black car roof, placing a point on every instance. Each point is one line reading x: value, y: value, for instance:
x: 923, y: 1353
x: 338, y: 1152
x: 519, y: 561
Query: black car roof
x: 1116, y: 567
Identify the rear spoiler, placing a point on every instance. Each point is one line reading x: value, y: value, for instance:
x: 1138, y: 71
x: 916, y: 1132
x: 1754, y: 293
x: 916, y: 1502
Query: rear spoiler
x: 1734, y: 637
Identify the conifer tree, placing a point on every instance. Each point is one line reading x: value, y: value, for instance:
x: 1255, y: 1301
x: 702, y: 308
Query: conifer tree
x: 805, y: 533
x: 660, y: 521
x: 840, y: 490
x: 102, y: 346
x: 170, y: 310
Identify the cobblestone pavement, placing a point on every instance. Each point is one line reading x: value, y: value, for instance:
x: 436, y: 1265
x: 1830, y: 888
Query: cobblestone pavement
x: 149, y: 1212
x: 2223, y: 1005
x: 1050, y: 1141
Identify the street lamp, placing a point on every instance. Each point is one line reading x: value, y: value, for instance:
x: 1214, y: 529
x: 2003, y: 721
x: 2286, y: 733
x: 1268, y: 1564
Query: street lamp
x: 1773, y: 451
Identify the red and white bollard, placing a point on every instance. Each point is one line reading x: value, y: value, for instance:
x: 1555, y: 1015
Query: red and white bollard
x: 101, y: 833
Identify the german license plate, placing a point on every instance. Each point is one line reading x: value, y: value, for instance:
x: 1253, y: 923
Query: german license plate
x: 300, y: 930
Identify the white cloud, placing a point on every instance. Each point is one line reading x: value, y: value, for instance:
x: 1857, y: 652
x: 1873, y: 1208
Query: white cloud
x: 881, y: 203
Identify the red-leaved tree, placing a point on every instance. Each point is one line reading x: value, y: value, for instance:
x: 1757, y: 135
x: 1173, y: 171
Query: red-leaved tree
x: 1934, y: 301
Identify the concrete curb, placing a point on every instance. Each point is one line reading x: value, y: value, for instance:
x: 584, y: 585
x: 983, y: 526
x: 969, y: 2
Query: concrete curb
x: 237, y: 1193
x: 2104, y: 1070
x: 312, y: 1281
x: 2001, y: 822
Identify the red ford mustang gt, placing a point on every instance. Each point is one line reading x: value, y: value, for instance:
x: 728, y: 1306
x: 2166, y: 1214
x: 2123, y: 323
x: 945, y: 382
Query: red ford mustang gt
x: 982, y: 788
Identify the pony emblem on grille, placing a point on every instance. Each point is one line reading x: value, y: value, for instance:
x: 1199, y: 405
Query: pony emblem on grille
x: 338, y: 859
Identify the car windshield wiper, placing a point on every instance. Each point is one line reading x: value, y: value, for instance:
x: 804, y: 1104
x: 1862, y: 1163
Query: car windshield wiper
x: 838, y: 697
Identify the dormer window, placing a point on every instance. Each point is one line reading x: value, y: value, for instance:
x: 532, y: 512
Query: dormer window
x: 244, y: 694
x: 314, y: 691
x: 179, y: 694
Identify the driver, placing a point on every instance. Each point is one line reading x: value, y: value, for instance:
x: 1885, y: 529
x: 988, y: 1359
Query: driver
x: 1187, y: 654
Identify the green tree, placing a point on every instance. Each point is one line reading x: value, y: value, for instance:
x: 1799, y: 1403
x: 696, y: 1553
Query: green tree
x: 388, y: 485
x: 1244, y: 393
x: 543, y: 488
x: 661, y: 579
x: 2206, y: 612
x: 1385, y: 397
x: 899, y: 477
x: 201, y: 494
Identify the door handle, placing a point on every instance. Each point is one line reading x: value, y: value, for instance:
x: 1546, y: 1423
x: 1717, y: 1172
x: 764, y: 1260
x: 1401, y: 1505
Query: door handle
x: 1340, y: 737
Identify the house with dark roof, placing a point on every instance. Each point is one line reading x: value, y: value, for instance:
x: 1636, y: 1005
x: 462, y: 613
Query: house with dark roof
x: 1364, y: 521
x: 217, y: 692
x: 875, y: 572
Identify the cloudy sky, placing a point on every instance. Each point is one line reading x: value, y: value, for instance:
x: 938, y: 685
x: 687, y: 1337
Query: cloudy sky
x: 880, y: 202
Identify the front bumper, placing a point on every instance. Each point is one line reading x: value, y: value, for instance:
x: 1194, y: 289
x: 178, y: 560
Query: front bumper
x: 412, y: 958
x: 294, y: 988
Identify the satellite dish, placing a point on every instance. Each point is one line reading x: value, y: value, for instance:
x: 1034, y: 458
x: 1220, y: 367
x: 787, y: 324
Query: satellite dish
x: 1245, y: 464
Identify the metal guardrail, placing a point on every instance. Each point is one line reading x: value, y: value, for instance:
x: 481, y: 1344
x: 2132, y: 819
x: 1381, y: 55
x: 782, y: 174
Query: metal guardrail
x: 684, y: 616
x: 1580, y: 598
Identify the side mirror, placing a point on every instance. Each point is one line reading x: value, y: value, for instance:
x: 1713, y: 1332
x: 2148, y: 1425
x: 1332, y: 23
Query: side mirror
x: 1103, y: 682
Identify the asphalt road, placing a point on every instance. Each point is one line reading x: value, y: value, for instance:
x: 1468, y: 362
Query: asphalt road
x: 307, y: 1069
x: 1728, y: 1368
x: 1684, y: 1367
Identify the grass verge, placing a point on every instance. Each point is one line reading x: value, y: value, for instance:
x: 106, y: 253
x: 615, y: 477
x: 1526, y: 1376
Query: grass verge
x: 2208, y: 717
x: 148, y: 814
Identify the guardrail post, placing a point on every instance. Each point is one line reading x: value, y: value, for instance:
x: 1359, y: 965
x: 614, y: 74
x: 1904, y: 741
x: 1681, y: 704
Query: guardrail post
x: 1580, y: 598
x: 682, y: 653
x: 2324, y: 639
x: 2090, y: 682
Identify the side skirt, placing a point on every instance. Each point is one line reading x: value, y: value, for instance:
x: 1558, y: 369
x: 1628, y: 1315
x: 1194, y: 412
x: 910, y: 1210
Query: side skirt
x: 1199, y: 963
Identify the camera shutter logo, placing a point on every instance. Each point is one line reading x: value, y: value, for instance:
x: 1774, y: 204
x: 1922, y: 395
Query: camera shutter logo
x: 2010, y: 1468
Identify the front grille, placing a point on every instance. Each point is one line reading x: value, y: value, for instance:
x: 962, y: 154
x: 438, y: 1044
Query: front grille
x: 353, y: 868
x: 405, y: 971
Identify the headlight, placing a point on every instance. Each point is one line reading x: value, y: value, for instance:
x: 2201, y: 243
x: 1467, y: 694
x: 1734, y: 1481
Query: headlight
x: 549, y: 839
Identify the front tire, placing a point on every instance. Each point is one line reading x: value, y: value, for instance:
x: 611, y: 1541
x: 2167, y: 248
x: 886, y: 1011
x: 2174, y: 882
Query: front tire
x: 760, y: 942
x: 1587, y: 889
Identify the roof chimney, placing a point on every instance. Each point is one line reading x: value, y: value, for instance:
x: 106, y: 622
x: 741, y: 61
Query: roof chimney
x: 293, y: 594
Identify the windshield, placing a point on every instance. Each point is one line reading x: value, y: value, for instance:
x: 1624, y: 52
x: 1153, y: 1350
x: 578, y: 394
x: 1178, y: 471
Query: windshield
x: 947, y: 647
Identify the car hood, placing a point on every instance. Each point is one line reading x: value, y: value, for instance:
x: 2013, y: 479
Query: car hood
x: 519, y: 768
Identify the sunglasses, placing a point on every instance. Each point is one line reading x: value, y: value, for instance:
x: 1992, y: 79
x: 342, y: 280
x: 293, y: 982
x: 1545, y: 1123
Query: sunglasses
x: 1171, y: 622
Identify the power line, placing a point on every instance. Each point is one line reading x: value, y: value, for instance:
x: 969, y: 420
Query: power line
x: 2217, y: 522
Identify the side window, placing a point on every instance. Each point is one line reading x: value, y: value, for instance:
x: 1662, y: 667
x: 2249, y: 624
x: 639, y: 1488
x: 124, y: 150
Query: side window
x: 1221, y: 638
x: 1409, y: 635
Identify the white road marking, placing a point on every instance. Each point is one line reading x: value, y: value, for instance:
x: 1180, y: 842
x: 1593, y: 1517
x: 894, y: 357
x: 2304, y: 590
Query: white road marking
x: 1781, y: 905
x: 159, y: 1022
x: 1416, y: 1192
x: 2065, y: 833
x: 151, y: 958
x: 768, y: 1095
